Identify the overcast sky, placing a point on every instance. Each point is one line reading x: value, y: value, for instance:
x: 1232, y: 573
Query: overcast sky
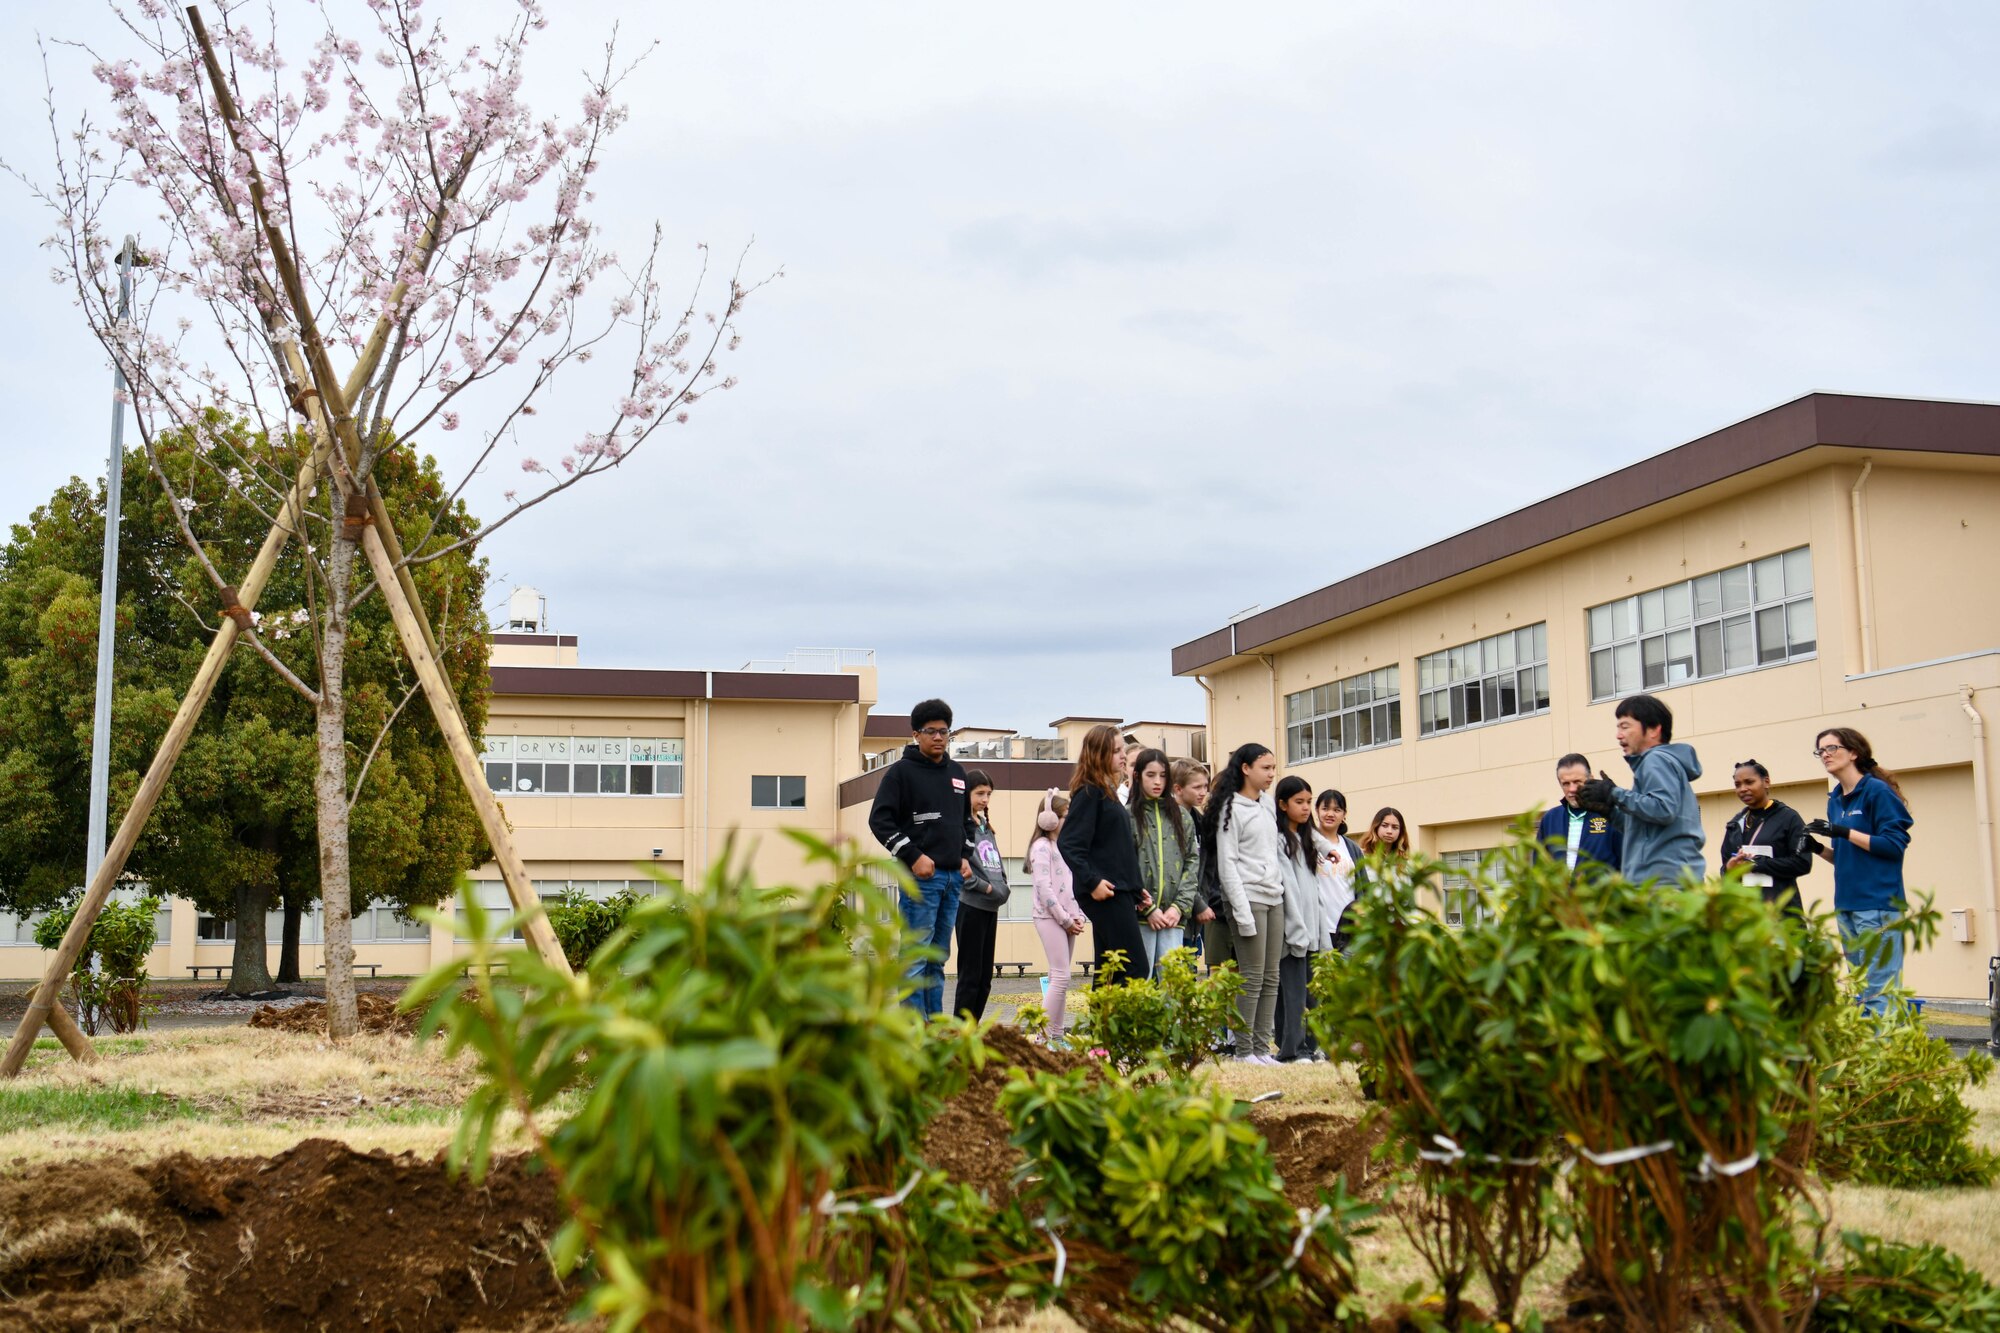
x: 1103, y: 322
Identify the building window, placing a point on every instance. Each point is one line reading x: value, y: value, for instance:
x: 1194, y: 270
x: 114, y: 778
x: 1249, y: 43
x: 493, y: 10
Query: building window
x: 777, y: 793
x: 583, y: 766
x: 1496, y: 679
x: 211, y: 929
x: 1752, y: 615
x: 1460, y: 893
x: 1358, y: 713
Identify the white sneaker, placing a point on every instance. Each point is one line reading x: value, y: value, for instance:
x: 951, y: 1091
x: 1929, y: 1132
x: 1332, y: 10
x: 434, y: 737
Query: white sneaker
x: 1246, y: 1059
x: 1270, y: 1061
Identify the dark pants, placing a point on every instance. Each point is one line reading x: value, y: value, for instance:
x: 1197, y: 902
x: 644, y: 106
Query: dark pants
x: 1294, y: 1038
x: 976, y: 930
x: 1114, y: 924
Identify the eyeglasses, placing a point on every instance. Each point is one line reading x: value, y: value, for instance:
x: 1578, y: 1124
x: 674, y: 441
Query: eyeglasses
x: 1825, y: 750
x: 935, y: 733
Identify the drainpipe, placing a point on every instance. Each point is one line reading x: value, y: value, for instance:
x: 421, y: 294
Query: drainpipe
x: 1983, y: 811
x: 1209, y: 690
x: 1864, y: 595
x: 1277, y: 709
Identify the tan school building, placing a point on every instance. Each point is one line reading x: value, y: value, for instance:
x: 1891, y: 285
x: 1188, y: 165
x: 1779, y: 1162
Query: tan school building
x: 1827, y: 563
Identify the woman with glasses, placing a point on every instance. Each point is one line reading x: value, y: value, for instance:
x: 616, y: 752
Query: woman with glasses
x: 1867, y: 828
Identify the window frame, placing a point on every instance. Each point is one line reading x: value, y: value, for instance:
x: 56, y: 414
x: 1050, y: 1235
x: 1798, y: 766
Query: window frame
x: 1451, y: 673
x: 780, y: 789
x: 657, y: 763
x: 1719, y: 617
x: 1343, y: 705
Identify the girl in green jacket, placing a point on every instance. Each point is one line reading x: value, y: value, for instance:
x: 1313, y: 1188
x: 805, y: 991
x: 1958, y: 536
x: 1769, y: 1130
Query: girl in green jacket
x: 1168, y: 863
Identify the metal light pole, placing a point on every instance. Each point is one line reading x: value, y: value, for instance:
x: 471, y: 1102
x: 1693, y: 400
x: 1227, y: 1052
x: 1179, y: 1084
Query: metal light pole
x: 107, y: 593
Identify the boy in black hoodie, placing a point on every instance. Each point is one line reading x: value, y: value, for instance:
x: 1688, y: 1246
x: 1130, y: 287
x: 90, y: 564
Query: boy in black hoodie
x: 923, y: 816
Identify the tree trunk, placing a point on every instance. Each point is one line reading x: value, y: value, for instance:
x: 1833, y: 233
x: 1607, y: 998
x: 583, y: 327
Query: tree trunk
x: 330, y: 793
x: 249, y: 972
x: 288, y: 951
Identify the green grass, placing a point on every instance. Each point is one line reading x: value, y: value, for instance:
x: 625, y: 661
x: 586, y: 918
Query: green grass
x: 69, y: 1108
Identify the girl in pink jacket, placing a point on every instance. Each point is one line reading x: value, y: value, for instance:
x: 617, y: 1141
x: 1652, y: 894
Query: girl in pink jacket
x: 1058, y: 920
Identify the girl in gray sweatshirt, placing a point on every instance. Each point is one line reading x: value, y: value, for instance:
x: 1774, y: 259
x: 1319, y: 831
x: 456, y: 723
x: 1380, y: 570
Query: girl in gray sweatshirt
x: 1241, y: 828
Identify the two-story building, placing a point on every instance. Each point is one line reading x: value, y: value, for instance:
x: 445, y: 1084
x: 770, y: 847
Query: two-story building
x: 1827, y: 563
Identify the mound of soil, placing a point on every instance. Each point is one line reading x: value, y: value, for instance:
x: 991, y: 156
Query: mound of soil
x: 1313, y: 1149
x: 968, y: 1139
x: 378, y: 1013
x: 317, y: 1237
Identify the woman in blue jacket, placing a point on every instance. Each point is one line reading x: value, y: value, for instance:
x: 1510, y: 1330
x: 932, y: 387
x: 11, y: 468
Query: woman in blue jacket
x: 1867, y: 828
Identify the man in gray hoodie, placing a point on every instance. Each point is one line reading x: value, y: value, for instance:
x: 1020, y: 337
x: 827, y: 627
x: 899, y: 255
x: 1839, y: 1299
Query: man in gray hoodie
x: 1658, y: 817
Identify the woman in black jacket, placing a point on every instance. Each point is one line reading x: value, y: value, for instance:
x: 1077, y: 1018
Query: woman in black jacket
x: 1767, y: 840
x: 1102, y: 853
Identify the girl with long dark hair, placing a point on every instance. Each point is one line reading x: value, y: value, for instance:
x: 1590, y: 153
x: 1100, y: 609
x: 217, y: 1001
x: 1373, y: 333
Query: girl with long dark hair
x: 1867, y: 828
x: 1301, y: 853
x: 1340, y: 868
x: 1167, y: 860
x: 1098, y: 845
x: 1240, y: 825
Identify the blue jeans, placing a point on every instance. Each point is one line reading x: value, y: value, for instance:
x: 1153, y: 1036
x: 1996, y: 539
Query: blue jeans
x: 1160, y: 943
x: 928, y: 916
x: 1885, y: 967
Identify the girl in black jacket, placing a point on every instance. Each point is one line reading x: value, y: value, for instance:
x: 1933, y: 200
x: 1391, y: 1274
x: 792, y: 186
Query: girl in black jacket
x: 1776, y: 830
x: 1098, y: 845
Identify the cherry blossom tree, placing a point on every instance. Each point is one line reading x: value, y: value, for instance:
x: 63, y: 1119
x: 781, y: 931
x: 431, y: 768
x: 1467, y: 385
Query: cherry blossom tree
x: 372, y: 190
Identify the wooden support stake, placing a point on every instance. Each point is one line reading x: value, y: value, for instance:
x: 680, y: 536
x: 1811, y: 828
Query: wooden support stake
x: 43, y: 1005
x: 444, y: 706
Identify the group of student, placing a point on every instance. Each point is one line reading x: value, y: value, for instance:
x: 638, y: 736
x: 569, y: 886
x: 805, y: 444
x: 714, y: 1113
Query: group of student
x: 1149, y: 854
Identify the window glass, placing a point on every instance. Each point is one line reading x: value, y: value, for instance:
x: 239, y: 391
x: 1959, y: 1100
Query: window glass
x: 792, y: 793
x: 527, y: 777
x: 1730, y: 620
x: 642, y: 779
x: 1737, y: 649
x: 555, y: 779
x: 1652, y: 612
x: 1770, y: 635
x: 1680, y: 603
x: 611, y: 779
x: 1707, y: 596
x: 1326, y: 721
x: 1767, y: 579
x: 500, y: 777
x: 1492, y: 680
x: 764, y: 793
x: 583, y: 779
x: 1799, y: 631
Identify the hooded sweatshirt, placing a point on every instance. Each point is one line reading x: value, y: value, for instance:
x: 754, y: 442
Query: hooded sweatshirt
x: 1171, y: 875
x: 924, y: 808
x: 1659, y: 821
x: 1246, y: 856
x: 1307, y: 929
x: 988, y: 889
x: 1055, y: 895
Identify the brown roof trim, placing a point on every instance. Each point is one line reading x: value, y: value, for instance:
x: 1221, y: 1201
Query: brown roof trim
x: 1083, y: 717
x: 887, y: 726
x: 1156, y: 722
x: 534, y: 640
x: 816, y: 687
x: 1882, y: 425
x: 643, y: 683
x: 1007, y: 775
x: 599, y: 682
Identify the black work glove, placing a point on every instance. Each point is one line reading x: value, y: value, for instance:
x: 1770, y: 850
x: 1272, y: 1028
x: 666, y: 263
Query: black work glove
x: 1595, y: 795
x: 1826, y: 830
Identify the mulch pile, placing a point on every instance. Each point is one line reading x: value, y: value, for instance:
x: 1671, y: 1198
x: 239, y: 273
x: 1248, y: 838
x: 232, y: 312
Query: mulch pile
x: 378, y: 1013
x: 317, y: 1237
x: 969, y: 1137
